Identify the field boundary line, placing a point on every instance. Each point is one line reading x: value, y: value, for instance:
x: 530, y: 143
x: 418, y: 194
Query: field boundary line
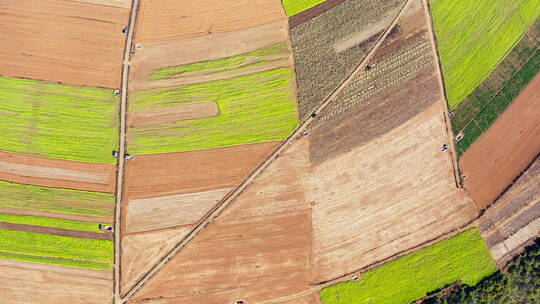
x: 122, y: 151
x: 440, y: 78
x: 209, y: 218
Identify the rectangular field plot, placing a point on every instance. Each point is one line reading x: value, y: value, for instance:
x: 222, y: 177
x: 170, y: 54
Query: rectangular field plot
x: 55, y: 249
x: 49, y: 222
x: 464, y: 257
x: 58, y: 121
x: 293, y: 7
x: 473, y: 36
x: 65, y: 41
x: 253, y: 108
x: 51, y: 200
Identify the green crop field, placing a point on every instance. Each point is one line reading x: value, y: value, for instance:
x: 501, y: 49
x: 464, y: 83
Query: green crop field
x: 474, y: 35
x: 31, y: 197
x: 55, y: 249
x: 253, y: 108
x: 464, y: 257
x: 58, y: 121
x: 293, y: 7
x: 49, y: 222
x: 223, y: 65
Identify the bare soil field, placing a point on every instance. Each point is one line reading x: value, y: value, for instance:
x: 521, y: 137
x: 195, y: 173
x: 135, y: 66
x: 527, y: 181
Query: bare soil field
x: 79, y: 43
x: 505, y: 149
x: 169, y: 211
x: 172, y: 114
x: 117, y: 3
x: 141, y: 251
x: 319, y: 67
x: 161, y: 20
x: 30, y: 283
x: 193, y: 171
x: 57, y: 231
x: 74, y: 217
x: 156, y: 55
x: 310, y: 13
x: 57, y: 173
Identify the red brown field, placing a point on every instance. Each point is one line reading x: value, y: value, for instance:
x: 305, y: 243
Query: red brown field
x: 30, y: 283
x: 142, y: 250
x: 161, y: 20
x: 172, y: 114
x: 57, y: 173
x: 65, y: 41
x: 505, y: 149
x: 193, y: 171
x: 153, y: 56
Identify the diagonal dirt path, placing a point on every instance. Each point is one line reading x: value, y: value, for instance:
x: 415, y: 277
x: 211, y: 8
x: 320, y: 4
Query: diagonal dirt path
x: 232, y: 196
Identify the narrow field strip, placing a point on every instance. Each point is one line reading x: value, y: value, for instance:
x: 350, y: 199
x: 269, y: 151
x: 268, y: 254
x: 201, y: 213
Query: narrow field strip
x: 48, y: 248
x: 293, y: 7
x: 55, y: 200
x: 473, y: 36
x: 58, y: 121
x: 464, y: 257
x: 254, y: 108
x: 50, y: 222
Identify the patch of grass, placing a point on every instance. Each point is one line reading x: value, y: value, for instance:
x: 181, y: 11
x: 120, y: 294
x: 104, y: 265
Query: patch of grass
x: 49, y: 222
x: 55, y: 249
x: 473, y: 36
x: 253, y: 108
x: 473, y: 132
x: 293, y: 7
x: 66, y: 201
x: 223, y: 65
x: 58, y: 121
x: 464, y: 257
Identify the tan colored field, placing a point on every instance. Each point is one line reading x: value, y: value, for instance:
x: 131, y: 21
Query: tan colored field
x: 57, y: 173
x: 74, y: 217
x: 171, y: 114
x: 117, y: 3
x: 31, y: 283
x: 193, y: 171
x: 65, y: 41
x: 500, y: 154
x: 143, y: 250
x: 161, y: 20
x: 153, y: 56
x: 169, y: 211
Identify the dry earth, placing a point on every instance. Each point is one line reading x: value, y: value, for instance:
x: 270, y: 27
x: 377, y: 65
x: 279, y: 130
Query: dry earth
x: 74, y: 217
x: 171, y: 114
x: 31, y: 283
x: 505, y: 149
x: 161, y: 20
x: 65, y: 41
x: 57, y: 173
x: 57, y: 231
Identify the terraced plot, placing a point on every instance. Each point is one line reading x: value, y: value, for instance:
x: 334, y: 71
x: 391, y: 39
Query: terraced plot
x: 58, y: 121
x: 462, y: 258
x: 481, y: 108
x: 253, y: 108
x: 328, y: 47
x: 473, y: 36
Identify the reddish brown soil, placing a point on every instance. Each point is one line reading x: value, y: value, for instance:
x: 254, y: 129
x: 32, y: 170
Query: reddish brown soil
x: 57, y: 173
x: 31, y: 283
x: 171, y: 114
x: 57, y: 231
x: 161, y: 20
x: 75, y: 217
x: 153, y: 56
x: 505, y: 149
x: 313, y: 12
x: 65, y: 41
x: 143, y: 250
x: 193, y: 171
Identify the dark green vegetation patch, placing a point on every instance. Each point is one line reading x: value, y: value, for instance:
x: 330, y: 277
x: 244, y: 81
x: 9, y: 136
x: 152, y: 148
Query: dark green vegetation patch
x: 464, y: 257
x: 58, y: 121
x: 39, y: 198
x: 328, y: 47
x: 490, y: 99
x: 520, y: 284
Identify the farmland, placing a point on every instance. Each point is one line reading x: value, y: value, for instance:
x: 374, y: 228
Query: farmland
x: 462, y: 258
x: 293, y: 7
x: 268, y: 96
x: 491, y: 98
x: 474, y: 36
x: 62, y: 201
x: 328, y: 47
x: 55, y: 249
x: 49, y: 222
x: 499, y: 155
x: 58, y: 121
x: 79, y: 43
